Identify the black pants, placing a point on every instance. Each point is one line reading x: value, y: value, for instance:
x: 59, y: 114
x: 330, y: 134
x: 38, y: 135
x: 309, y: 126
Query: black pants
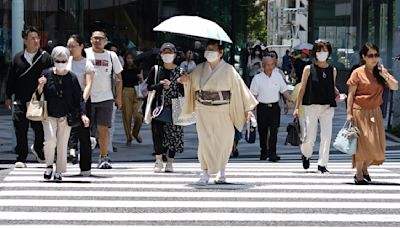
x: 21, y: 126
x: 268, y: 120
x: 157, y: 130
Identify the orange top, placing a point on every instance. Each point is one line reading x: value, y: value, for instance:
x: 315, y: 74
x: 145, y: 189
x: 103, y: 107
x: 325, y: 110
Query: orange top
x: 369, y: 92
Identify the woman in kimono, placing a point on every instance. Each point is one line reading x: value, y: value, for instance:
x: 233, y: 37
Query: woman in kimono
x: 222, y: 101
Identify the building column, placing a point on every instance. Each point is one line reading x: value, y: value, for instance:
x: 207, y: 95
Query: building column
x: 17, y: 25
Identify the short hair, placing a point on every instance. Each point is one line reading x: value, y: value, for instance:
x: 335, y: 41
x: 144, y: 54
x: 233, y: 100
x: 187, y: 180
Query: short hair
x: 320, y: 44
x: 100, y: 30
x: 216, y: 42
x: 28, y: 30
x: 60, y: 51
x: 264, y: 59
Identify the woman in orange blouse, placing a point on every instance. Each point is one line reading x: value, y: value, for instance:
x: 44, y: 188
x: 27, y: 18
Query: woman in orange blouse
x: 366, y: 85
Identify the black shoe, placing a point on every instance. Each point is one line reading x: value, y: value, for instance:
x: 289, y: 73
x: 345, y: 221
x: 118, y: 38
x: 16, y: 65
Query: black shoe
x: 235, y: 153
x: 73, y: 159
x: 263, y: 157
x: 274, y: 158
x: 48, y: 172
x: 306, y: 162
x: 367, y: 177
x: 164, y: 158
x: 322, y: 169
x: 360, y: 182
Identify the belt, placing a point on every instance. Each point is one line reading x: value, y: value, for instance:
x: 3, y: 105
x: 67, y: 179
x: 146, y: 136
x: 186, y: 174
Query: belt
x: 213, y: 98
x: 269, y: 105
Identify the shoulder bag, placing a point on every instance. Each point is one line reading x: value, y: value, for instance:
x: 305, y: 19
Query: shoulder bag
x: 150, y: 97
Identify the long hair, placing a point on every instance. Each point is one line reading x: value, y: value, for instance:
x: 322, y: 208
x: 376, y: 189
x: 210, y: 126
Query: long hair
x: 80, y: 41
x: 363, y: 52
x: 253, y: 53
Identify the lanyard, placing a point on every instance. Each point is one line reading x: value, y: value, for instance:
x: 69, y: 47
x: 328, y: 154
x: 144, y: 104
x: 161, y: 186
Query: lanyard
x: 222, y: 63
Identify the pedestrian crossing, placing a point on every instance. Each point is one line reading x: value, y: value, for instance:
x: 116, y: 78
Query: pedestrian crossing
x: 257, y: 194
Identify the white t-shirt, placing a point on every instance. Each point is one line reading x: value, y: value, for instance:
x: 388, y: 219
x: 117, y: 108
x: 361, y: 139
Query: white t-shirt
x: 80, y: 68
x: 188, y: 67
x: 29, y: 56
x: 101, y: 86
x: 268, y: 89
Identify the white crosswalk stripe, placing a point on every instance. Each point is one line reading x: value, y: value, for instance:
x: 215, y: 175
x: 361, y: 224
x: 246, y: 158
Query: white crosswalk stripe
x: 258, y: 194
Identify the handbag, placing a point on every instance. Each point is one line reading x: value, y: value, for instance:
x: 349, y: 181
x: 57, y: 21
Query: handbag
x: 346, y: 139
x: 250, y: 134
x: 74, y: 119
x: 150, y: 97
x: 141, y: 90
x: 293, y: 133
x: 36, y: 109
x: 177, y: 105
x: 163, y: 114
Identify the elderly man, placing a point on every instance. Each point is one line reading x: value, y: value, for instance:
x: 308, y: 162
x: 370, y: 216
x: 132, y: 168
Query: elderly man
x: 102, y: 99
x: 267, y: 87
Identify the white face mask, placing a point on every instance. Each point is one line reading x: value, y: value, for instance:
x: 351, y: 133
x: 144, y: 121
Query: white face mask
x: 60, y: 66
x: 322, y: 56
x: 211, y: 56
x: 167, y: 58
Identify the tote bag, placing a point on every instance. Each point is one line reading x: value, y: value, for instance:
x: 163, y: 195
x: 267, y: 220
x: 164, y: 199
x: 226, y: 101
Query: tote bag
x: 150, y: 97
x: 177, y: 105
x: 346, y: 139
x: 36, y: 109
x: 293, y: 133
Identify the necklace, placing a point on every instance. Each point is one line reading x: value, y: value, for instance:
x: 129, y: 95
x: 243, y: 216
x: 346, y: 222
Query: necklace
x: 323, y: 74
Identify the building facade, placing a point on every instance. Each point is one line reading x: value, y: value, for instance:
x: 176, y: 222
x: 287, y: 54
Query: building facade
x: 128, y: 23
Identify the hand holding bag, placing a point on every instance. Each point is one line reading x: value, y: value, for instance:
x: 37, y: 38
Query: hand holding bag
x: 250, y: 135
x: 293, y: 136
x: 36, y: 109
x: 177, y: 105
x: 74, y: 119
x: 346, y: 139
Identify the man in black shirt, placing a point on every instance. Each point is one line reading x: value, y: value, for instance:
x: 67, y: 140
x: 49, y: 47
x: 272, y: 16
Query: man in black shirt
x: 24, y: 72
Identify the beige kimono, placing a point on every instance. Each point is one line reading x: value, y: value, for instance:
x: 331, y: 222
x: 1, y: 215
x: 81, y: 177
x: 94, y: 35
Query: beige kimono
x: 215, y: 124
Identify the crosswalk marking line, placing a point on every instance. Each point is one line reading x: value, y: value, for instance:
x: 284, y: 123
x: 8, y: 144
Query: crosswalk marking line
x: 70, y: 216
x: 192, y: 180
x: 194, y: 204
x: 183, y: 186
x: 176, y: 194
x: 186, y: 173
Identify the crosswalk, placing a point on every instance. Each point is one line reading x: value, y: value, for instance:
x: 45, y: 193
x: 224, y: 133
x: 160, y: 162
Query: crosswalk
x: 258, y: 194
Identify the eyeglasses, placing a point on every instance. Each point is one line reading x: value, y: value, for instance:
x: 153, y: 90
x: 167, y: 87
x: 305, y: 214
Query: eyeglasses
x: 72, y: 46
x: 60, y: 61
x: 370, y: 56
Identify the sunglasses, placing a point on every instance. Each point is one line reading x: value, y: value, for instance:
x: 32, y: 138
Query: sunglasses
x: 60, y: 61
x: 370, y: 56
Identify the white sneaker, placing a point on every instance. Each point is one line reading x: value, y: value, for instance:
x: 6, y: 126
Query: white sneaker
x: 93, y: 142
x: 203, y: 179
x: 158, y: 166
x: 169, y: 168
x: 36, y: 155
x: 86, y: 173
x: 57, y: 177
x: 104, y: 163
x: 20, y: 165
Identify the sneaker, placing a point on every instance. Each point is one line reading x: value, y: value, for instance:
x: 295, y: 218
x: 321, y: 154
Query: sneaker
x: 20, y: 165
x: 85, y: 173
x: 158, y: 166
x: 169, y: 168
x: 48, y: 172
x: 104, y: 163
x: 203, y: 179
x: 93, y: 142
x: 220, y: 180
x: 323, y: 169
x: 57, y: 176
x: 306, y: 162
x: 38, y: 158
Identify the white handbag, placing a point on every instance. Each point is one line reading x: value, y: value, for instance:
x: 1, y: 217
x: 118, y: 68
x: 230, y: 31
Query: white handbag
x: 346, y: 139
x: 150, y: 97
x: 177, y: 105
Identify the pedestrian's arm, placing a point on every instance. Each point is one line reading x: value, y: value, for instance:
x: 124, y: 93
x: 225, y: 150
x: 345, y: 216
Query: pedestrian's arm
x: 118, y: 99
x: 337, y: 92
x: 350, y: 101
x: 304, y: 79
x: 10, y: 86
x: 391, y: 81
x: 89, y: 80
